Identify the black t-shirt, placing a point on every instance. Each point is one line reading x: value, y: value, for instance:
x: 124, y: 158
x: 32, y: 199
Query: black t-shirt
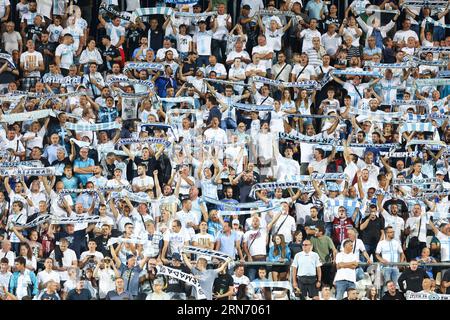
x: 214, y: 112
x: 313, y: 224
x: 112, y: 52
x: 77, y: 240
x: 398, y: 296
x: 371, y: 234
x: 175, y: 285
x: 151, y: 164
x: 156, y: 39
x: 189, y: 67
x: 133, y: 37
x: 102, y: 246
x: 446, y: 277
x: 244, y: 192
x: 34, y: 32
x: 222, y: 284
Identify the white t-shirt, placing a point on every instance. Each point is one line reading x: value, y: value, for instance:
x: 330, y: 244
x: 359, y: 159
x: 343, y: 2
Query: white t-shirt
x: 106, y: 278
x: 389, y: 250
x: 306, y: 74
x: 68, y: 257
x: 308, y: 35
x: 286, y: 228
x: 76, y: 33
x: 44, y: 276
x: 66, y: 53
x: 346, y: 273
x: 256, y: 241
x: 264, y: 50
x: 32, y: 60
x: 203, y: 41
x: 222, y: 30
x: 183, y: 42
x: 176, y: 240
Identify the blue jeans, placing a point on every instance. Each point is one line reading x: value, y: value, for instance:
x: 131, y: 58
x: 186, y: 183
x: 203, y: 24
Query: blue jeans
x: 202, y: 62
x: 328, y: 228
x: 390, y: 273
x: 228, y: 123
x: 342, y: 286
x: 359, y: 273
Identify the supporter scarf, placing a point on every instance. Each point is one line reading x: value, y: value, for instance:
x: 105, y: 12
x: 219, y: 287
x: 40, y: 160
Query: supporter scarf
x: 436, y: 23
x: 181, y: 1
x: 143, y: 66
x: 407, y: 182
x: 315, y: 116
x: 426, y: 142
x: 370, y: 10
x: 93, y: 126
x: 137, y: 95
x: 150, y: 140
x: 375, y: 146
x: 428, y: 3
x: 225, y: 82
x: 303, y: 138
x: 160, y: 126
x: 59, y: 220
x: 135, y: 197
x: 247, y: 212
x: 374, y: 74
x: 64, y: 80
x: 312, y: 84
x: 432, y: 116
x: 399, y: 154
x: 418, y: 62
x: 195, y: 15
x: 82, y: 144
x: 272, y: 186
x: 376, y: 115
x: 403, y: 65
x: 102, y: 189
x: 443, y: 74
x: 116, y: 13
x: 410, y: 295
x: 27, y: 116
x: 234, y: 206
x: 435, y: 49
x: 252, y: 107
x: 416, y: 126
x: 9, y: 59
x: 47, y: 171
x: 188, y: 278
x: 146, y: 83
x: 347, y: 203
x: 276, y: 13
x: 15, y: 164
x: 329, y: 176
x: 398, y: 102
x: 189, y: 100
x: 432, y: 82
x: 205, y: 252
x: 150, y: 11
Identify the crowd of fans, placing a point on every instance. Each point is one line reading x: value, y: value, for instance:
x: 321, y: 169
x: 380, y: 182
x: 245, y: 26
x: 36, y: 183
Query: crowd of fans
x: 304, y: 140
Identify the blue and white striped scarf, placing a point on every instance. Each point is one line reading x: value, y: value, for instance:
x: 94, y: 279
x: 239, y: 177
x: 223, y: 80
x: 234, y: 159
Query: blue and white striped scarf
x: 9, y: 59
x: 21, y: 172
x: 435, y: 49
x: 417, y: 126
x: 110, y: 9
x: 27, y: 116
x: 195, y: 15
x: 181, y: 1
x: 408, y: 182
x: 303, y: 138
x: 403, y: 65
x: 143, y: 66
x: 150, y: 11
x: 146, y: 83
x: 189, y: 100
x: 347, y: 203
x: 432, y: 82
x: 276, y: 13
x: 313, y: 84
x: 435, y: 23
x: 426, y: 142
x: 374, y: 74
x: 399, y: 154
x: 150, y: 140
x: 380, y: 116
x: 93, y: 126
x: 15, y: 164
x: 443, y: 74
x: 272, y: 186
x: 226, y: 82
x: 399, y: 102
x: 252, y: 107
x: 233, y: 206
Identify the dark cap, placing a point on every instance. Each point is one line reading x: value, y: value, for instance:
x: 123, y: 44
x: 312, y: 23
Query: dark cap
x: 372, y: 205
x: 176, y: 256
x: 246, y: 7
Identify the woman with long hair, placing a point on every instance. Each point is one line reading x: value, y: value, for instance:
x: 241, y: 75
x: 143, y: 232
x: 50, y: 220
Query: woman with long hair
x: 371, y: 293
x: 279, y: 252
x: 296, y: 245
x: 242, y: 292
x: 26, y: 252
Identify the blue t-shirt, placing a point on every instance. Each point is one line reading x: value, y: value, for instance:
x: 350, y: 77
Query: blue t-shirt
x: 78, y: 163
x: 227, y: 242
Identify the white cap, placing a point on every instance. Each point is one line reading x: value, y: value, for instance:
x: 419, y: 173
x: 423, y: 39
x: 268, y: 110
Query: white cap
x: 235, y: 221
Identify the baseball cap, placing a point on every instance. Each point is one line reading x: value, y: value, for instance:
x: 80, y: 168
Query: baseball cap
x: 372, y: 205
x: 440, y: 172
x: 235, y: 221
